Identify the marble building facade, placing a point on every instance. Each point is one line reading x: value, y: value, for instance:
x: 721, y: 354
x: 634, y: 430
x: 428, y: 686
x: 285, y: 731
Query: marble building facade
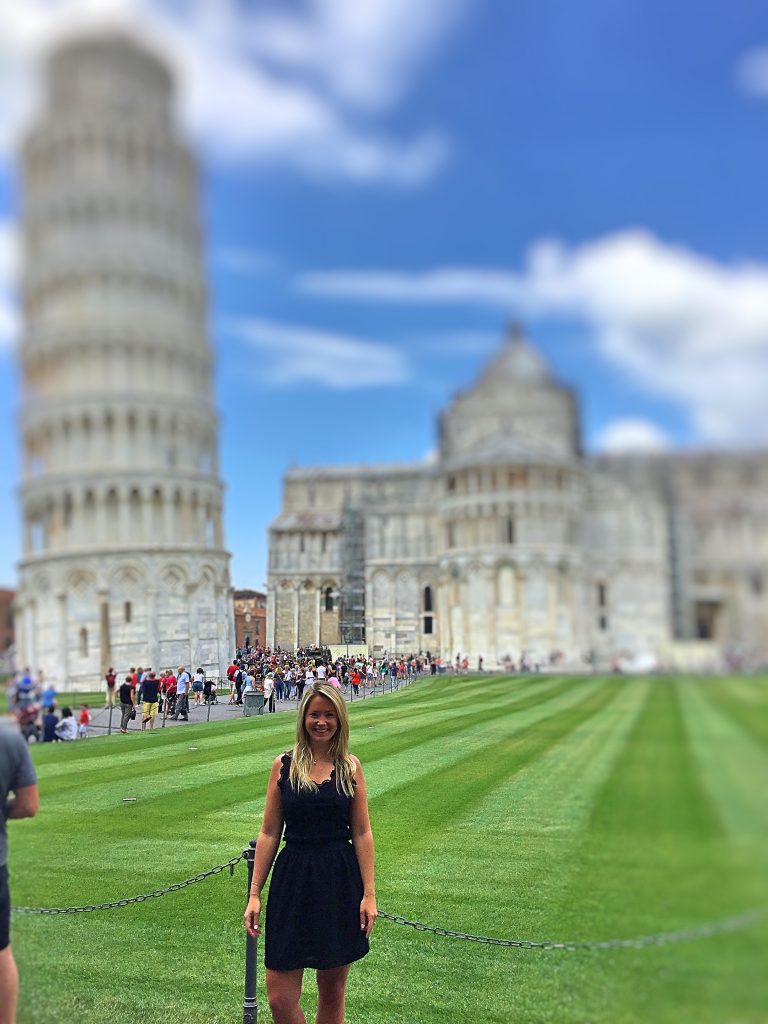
x: 123, y: 553
x: 514, y: 543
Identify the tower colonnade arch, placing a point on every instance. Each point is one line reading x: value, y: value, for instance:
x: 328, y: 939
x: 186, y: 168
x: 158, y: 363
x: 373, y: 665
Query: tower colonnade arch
x: 99, y: 513
x: 125, y: 432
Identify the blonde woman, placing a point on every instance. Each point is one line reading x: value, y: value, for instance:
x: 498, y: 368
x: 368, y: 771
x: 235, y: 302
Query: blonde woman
x: 322, y: 902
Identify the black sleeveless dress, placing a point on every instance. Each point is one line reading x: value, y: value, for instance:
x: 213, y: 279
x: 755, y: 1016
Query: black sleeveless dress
x: 313, y: 907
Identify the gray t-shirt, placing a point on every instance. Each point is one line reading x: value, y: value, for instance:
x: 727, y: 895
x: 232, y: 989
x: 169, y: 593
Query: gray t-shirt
x: 16, y: 772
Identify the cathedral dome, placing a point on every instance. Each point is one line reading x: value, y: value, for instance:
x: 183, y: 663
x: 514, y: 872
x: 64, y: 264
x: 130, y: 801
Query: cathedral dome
x: 517, y: 361
x: 515, y: 401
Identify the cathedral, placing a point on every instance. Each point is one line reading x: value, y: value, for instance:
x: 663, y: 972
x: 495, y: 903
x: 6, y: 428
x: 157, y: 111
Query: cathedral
x: 123, y: 557
x: 514, y: 545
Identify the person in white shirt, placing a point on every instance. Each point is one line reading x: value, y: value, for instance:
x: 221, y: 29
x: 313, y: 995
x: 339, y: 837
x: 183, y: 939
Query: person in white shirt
x: 269, y: 692
x: 67, y: 727
x: 182, y: 695
x: 320, y: 672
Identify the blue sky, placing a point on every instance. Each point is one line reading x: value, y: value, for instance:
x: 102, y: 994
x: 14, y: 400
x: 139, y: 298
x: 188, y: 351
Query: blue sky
x: 388, y: 184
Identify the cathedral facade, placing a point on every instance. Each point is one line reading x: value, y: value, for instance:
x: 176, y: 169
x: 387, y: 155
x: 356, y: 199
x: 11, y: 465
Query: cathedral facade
x: 512, y: 544
x: 123, y: 554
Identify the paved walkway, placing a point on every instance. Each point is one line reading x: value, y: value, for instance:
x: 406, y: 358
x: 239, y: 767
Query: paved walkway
x: 219, y: 712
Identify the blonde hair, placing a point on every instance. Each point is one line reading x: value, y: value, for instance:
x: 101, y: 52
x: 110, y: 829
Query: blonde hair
x: 301, y: 759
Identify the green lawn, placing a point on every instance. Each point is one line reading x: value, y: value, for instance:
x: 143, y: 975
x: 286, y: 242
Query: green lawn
x: 538, y: 808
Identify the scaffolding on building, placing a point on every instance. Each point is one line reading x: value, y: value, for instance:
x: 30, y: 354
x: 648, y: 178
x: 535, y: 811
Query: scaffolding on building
x: 352, y: 590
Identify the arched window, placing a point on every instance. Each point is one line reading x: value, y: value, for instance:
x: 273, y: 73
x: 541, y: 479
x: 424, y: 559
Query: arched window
x: 113, y: 512
x: 83, y: 642
x: 328, y: 599
x: 127, y: 611
x: 509, y: 534
x: 157, y: 512
x: 134, y: 507
x: 427, y: 600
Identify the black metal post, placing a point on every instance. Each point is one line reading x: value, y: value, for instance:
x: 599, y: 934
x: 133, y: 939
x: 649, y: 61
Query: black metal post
x: 109, y: 724
x: 209, y: 710
x: 250, y: 999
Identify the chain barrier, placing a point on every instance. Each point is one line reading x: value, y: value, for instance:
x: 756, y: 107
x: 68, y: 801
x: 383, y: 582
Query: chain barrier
x: 728, y: 924
x: 231, y: 865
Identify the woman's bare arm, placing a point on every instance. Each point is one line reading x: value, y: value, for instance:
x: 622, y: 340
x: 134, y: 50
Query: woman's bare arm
x: 362, y: 840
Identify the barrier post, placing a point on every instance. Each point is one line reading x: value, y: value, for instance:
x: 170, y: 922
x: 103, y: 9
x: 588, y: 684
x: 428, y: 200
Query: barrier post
x: 250, y: 999
x: 109, y: 724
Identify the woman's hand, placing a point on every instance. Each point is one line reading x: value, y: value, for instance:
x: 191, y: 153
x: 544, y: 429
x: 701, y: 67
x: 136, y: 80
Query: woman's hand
x: 251, y: 917
x: 368, y: 914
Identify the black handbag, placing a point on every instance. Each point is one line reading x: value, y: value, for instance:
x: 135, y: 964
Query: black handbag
x: 133, y: 714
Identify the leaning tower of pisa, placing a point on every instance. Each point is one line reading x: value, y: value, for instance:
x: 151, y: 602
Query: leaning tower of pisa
x: 123, y: 555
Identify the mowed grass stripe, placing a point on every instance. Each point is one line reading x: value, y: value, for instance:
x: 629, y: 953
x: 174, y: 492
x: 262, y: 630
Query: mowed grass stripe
x: 503, y: 868
x: 382, y: 765
x: 220, y: 776
x: 414, y: 753
x: 732, y: 764
x: 414, y: 813
x: 74, y: 764
x: 654, y: 858
x: 204, y: 802
x: 409, y: 761
x: 541, y: 813
x: 474, y: 709
x: 751, y: 717
x: 174, y: 768
x: 654, y: 809
x: 450, y: 869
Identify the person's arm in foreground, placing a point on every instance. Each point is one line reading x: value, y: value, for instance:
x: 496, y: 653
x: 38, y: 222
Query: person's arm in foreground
x: 24, y: 803
x: 362, y: 840
x: 266, y: 848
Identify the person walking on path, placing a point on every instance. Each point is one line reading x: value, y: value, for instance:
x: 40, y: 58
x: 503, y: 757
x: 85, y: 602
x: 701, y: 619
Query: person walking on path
x: 182, y: 695
x: 148, y: 695
x: 198, y: 685
x: 127, y: 696
x: 111, y: 679
x: 19, y: 798
x: 322, y: 901
x: 269, y: 692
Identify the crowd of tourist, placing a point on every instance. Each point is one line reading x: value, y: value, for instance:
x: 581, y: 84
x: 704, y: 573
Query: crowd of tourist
x: 282, y: 676
x: 144, y: 693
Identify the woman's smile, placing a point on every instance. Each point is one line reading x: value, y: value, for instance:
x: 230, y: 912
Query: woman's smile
x: 320, y: 720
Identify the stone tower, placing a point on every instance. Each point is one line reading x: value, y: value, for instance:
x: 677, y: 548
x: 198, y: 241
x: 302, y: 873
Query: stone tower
x: 123, y: 554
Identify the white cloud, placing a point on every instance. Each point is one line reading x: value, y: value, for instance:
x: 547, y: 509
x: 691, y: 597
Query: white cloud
x: 296, y: 89
x: 366, y: 54
x: 9, y: 317
x: 682, y: 325
x: 632, y: 435
x: 752, y: 72
x: 294, y: 354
